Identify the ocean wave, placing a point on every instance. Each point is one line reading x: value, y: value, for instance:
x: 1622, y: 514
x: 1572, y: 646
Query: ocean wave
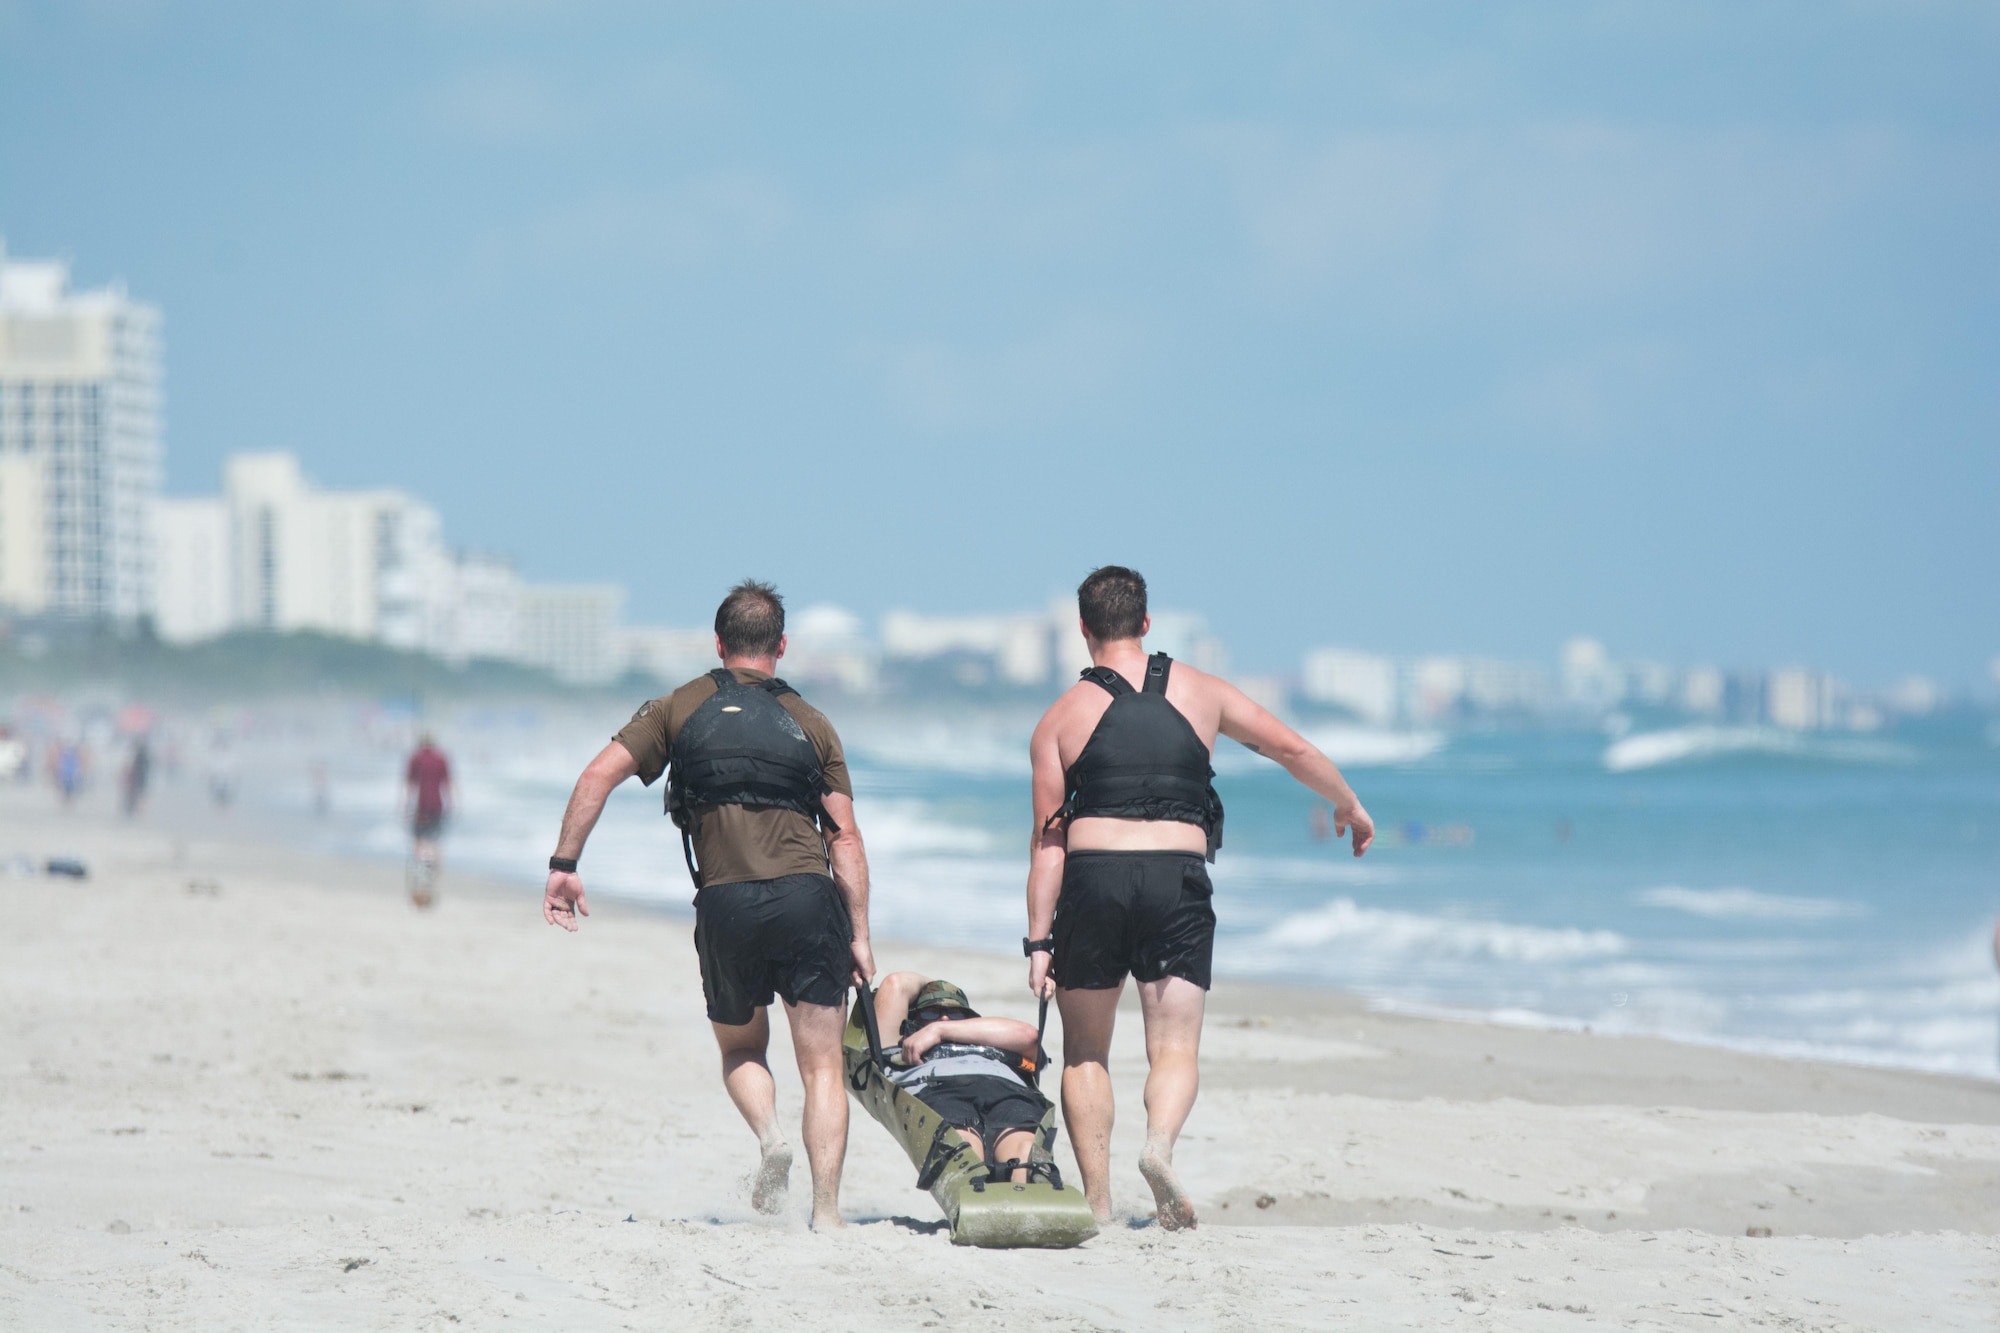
x: 1745, y: 904
x: 1651, y: 749
x: 1343, y: 921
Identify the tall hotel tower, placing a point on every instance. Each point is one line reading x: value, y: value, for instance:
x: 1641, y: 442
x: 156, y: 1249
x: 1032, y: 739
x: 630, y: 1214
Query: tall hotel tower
x: 79, y: 445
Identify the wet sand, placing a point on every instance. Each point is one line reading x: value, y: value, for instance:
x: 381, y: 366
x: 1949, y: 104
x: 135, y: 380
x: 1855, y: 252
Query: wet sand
x: 248, y: 1087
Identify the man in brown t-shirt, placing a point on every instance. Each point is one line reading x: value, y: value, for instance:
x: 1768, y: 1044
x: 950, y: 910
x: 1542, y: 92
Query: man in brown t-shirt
x: 769, y: 918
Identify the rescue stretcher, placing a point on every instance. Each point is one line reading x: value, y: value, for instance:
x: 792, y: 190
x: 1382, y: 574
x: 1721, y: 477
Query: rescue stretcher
x: 1042, y: 1212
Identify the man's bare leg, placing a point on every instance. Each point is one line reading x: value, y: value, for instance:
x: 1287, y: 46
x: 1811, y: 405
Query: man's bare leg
x: 816, y: 1034
x: 1173, y: 1009
x: 1088, y: 1017
x: 746, y: 1073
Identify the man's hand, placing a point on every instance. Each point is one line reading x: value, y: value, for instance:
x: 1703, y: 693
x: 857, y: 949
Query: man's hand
x: 1354, y: 817
x: 864, y: 962
x: 1040, y: 984
x: 563, y: 899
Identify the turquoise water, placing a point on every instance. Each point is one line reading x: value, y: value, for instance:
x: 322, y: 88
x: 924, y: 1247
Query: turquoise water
x: 1832, y: 897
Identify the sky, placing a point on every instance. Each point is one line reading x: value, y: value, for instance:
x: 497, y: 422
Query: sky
x: 1413, y: 328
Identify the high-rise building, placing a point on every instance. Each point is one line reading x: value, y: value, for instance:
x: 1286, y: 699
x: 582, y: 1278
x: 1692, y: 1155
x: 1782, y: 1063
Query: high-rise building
x: 1364, y: 684
x: 194, y: 585
x: 572, y: 631
x: 80, y: 452
x: 305, y: 558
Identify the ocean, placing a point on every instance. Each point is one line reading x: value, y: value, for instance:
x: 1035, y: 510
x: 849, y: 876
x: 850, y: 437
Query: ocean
x: 1832, y: 897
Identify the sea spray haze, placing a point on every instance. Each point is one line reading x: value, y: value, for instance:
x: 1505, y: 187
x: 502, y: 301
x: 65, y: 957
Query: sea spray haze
x: 1826, y: 899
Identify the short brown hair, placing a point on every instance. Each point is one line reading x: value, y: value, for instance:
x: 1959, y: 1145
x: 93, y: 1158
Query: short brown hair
x: 750, y: 620
x: 1112, y: 602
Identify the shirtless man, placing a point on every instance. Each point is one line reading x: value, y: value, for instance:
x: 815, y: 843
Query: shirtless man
x: 1124, y: 817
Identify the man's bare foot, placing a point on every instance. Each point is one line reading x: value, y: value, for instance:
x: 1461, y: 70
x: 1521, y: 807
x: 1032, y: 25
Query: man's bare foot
x: 1176, y: 1209
x: 829, y: 1220
x: 774, y: 1178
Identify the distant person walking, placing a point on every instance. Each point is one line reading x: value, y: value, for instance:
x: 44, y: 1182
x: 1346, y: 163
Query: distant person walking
x: 757, y: 783
x: 426, y: 805
x: 1125, y: 814
x: 221, y: 767
x: 138, y: 774
x: 68, y: 765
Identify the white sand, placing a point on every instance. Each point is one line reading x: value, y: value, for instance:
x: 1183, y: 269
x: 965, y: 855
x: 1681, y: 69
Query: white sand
x: 245, y: 1088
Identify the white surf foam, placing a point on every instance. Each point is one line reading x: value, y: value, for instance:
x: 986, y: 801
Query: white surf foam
x: 1651, y: 749
x: 1745, y: 904
x: 1343, y: 921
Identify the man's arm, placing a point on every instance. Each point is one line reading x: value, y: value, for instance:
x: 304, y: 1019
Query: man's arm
x: 563, y: 898
x: 1246, y: 721
x: 850, y: 875
x: 1048, y: 847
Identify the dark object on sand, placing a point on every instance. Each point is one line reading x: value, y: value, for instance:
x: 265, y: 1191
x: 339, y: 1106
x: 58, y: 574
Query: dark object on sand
x: 67, y: 865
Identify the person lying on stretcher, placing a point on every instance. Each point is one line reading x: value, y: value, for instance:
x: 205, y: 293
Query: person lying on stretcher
x: 973, y: 1071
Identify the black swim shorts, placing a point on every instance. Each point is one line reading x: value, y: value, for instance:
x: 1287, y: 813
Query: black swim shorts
x: 1146, y: 913
x: 427, y: 824
x: 987, y: 1106
x: 790, y: 935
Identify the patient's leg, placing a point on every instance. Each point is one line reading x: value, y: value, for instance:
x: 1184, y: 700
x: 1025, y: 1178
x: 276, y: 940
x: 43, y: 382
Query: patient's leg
x: 1014, y: 1144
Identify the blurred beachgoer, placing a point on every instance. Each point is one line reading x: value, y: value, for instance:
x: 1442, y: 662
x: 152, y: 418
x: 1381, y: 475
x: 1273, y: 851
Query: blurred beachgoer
x: 1125, y: 812
x: 138, y: 772
x: 760, y: 791
x: 68, y: 765
x: 426, y: 804
x: 221, y: 767
x: 322, y: 790
x: 13, y: 755
x: 1316, y: 823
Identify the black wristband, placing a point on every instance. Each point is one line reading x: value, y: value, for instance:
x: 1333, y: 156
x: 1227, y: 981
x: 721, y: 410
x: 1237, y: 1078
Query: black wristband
x: 1029, y: 948
x: 566, y: 864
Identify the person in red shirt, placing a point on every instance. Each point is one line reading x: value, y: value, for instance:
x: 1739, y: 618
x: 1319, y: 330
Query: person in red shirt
x: 426, y: 802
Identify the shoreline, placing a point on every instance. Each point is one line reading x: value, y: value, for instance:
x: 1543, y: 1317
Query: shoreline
x: 190, y: 819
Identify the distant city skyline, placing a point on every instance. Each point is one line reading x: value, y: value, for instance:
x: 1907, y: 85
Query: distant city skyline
x: 1466, y: 331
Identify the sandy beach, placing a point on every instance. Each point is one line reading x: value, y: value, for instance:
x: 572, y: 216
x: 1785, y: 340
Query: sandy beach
x: 247, y: 1087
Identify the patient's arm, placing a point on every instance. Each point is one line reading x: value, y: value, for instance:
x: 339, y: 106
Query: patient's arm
x: 892, y: 1001
x: 1005, y: 1034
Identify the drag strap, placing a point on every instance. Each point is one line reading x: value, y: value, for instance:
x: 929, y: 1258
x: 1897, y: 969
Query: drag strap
x: 937, y: 1159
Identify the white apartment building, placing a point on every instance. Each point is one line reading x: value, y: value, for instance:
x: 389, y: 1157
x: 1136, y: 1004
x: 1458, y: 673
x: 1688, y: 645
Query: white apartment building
x: 275, y: 552
x: 669, y: 655
x: 571, y: 631
x: 80, y: 452
x: 1018, y: 645
x: 1364, y: 684
x: 194, y: 574
x: 305, y: 558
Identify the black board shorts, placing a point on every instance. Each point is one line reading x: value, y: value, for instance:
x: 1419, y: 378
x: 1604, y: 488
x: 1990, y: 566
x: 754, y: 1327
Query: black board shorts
x: 789, y: 935
x: 989, y: 1107
x: 1146, y: 913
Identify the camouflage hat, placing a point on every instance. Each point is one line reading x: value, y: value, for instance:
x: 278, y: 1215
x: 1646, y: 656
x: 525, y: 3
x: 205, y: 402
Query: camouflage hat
x: 941, y: 995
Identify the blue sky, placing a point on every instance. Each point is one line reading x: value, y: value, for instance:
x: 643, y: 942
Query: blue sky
x: 1417, y: 328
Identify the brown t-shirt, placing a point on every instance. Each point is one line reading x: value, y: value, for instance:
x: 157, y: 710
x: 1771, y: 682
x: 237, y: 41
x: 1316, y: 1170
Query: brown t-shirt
x: 735, y: 842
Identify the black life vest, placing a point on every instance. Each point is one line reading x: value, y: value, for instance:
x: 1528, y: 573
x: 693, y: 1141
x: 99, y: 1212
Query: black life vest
x: 1143, y: 761
x: 740, y: 747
